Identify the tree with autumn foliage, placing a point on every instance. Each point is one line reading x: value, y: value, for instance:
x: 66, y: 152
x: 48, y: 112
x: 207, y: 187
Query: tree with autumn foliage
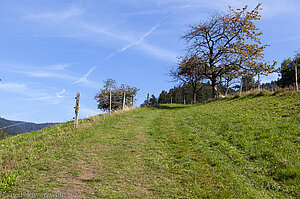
x: 228, y: 43
x: 189, y: 71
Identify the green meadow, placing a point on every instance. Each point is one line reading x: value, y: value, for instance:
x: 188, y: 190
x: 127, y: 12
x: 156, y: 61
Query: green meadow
x: 238, y: 147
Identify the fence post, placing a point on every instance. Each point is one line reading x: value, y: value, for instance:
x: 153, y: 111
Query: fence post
x: 109, y: 102
x: 296, y: 74
x: 77, y: 110
x: 132, y: 101
x: 124, y: 95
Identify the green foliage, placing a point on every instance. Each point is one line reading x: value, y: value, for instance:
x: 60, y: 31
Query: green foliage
x: 184, y: 93
x: 152, y: 101
x: 287, y: 73
x: 117, y: 94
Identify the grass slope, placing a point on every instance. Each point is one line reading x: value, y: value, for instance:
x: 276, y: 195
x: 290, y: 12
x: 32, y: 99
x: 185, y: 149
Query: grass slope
x: 245, y: 147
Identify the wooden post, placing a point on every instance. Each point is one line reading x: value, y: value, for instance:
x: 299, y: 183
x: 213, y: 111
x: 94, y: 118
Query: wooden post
x: 132, y: 101
x: 296, y: 73
x: 109, y: 102
x: 77, y: 110
x: 124, y: 95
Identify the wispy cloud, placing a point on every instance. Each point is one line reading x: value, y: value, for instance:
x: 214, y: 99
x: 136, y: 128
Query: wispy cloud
x: 33, y: 94
x: 286, y: 39
x: 83, y: 79
x: 58, y: 67
x: 141, y: 39
x: 24, y: 90
x: 56, y: 16
x: 76, y: 26
x: 59, y: 94
x: 88, y: 112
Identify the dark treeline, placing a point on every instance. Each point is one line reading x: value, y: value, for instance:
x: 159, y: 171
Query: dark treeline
x: 18, y: 127
x: 184, y: 94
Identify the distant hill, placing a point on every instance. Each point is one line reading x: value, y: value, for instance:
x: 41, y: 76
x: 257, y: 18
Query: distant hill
x: 17, y: 127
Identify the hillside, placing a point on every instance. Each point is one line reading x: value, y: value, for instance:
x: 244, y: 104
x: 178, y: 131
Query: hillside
x: 17, y: 127
x: 246, y: 147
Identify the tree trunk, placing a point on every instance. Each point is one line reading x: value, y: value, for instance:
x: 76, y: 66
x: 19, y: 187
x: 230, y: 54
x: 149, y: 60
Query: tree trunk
x: 214, y: 88
x: 110, y: 102
x: 258, y: 82
x: 171, y: 100
x: 124, y: 95
x: 184, y: 100
x: 148, y: 99
x: 226, y: 91
x: 241, y: 87
x: 195, y: 97
x: 227, y: 87
x: 296, y: 73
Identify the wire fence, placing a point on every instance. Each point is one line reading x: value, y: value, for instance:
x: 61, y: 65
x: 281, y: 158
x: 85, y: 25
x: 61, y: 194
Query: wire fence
x: 19, y: 123
x: 32, y: 138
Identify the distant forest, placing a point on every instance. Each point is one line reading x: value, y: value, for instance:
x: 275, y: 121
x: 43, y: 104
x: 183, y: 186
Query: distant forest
x: 9, y: 127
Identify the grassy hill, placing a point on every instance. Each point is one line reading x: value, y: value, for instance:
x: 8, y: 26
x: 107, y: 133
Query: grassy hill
x: 245, y: 147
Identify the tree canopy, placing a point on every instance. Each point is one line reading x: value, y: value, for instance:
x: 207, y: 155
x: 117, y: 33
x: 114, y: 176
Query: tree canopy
x: 228, y: 43
x: 117, y: 94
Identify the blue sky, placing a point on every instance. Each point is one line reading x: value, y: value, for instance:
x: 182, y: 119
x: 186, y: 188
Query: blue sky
x: 50, y: 50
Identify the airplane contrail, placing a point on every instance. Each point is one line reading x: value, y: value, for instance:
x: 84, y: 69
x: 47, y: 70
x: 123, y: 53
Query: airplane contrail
x: 84, y: 78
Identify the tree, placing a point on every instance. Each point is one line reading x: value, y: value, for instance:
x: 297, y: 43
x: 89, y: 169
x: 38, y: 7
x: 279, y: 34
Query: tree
x: 153, y: 100
x: 108, y: 98
x: 128, y: 93
x: 248, y: 83
x: 111, y: 97
x: 287, y: 73
x: 150, y: 102
x: 163, y: 97
x: 189, y: 72
x: 228, y: 80
x: 228, y: 43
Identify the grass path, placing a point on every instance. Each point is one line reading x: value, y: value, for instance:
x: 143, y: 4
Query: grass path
x: 240, y: 148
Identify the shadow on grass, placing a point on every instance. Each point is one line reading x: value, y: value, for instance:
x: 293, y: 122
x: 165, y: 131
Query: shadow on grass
x: 168, y: 107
